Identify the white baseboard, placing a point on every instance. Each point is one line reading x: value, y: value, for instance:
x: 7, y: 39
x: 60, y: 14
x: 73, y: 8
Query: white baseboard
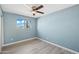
x: 19, y: 41
x: 59, y: 46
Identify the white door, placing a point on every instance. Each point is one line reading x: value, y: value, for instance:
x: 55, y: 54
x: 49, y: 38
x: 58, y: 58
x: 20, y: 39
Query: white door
x: 0, y: 34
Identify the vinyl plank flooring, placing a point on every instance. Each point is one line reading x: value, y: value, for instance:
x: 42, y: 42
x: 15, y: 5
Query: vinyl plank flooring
x: 35, y: 46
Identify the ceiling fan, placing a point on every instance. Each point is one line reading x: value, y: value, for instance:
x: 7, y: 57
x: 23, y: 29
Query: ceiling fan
x: 35, y: 9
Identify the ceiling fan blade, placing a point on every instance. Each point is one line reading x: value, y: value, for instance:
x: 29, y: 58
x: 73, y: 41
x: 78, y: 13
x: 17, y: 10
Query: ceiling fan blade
x: 40, y: 12
x: 39, y: 7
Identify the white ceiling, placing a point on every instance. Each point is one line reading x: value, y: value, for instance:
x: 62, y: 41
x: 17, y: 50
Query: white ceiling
x: 26, y: 9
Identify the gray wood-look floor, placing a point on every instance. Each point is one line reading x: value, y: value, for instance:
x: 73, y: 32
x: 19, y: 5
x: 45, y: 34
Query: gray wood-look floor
x: 33, y: 47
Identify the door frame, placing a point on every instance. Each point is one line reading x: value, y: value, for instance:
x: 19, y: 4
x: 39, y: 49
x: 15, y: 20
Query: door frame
x: 0, y: 34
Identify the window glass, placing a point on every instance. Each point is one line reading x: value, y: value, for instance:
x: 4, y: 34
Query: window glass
x: 21, y: 23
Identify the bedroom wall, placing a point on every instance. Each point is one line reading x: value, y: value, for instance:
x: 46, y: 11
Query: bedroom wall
x: 61, y: 27
x: 11, y: 34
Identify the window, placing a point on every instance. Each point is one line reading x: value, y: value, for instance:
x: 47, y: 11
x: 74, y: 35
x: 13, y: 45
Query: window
x: 21, y: 23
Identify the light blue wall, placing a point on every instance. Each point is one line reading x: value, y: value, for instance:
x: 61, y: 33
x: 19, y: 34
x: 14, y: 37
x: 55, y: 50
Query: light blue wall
x: 61, y: 27
x: 10, y: 32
